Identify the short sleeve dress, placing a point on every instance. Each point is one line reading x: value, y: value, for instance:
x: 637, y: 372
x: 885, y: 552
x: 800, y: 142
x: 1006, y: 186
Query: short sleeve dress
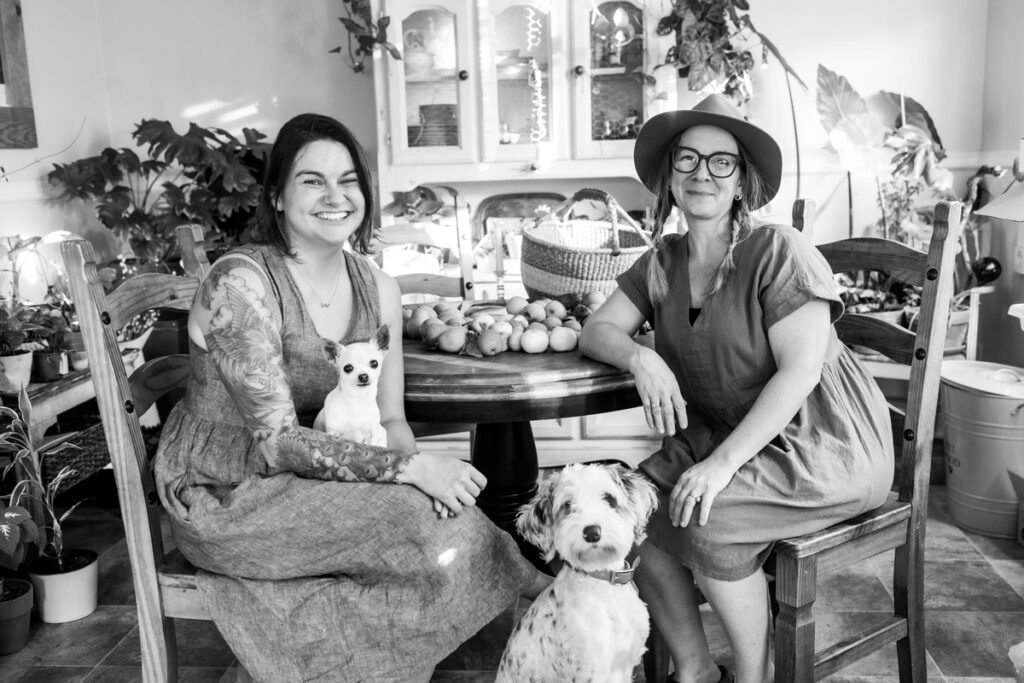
x: 312, y: 580
x: 833, y: 460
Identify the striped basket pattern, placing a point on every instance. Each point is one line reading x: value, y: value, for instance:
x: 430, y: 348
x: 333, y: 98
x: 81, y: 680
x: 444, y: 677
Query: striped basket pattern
x: 562, y: 255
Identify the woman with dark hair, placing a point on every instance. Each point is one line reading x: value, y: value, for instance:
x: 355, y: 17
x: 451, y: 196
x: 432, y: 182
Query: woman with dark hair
x: 771, y: 427
x: 321, y: 558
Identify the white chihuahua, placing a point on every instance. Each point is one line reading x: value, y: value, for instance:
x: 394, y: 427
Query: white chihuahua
x: 350, y: 409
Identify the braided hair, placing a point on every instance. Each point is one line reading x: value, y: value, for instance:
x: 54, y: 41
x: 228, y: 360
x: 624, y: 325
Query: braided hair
x: 753, y: 192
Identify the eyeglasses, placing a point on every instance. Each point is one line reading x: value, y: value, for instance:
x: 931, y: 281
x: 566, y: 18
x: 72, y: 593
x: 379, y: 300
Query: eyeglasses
x: 720, y: 164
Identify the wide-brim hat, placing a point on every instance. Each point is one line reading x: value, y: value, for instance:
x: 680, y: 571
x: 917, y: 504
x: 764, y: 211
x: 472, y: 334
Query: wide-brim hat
x: 714, y: 110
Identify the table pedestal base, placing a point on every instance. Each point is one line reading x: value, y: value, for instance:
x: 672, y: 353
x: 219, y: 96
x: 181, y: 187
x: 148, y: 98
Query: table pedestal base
x: 506, y: 453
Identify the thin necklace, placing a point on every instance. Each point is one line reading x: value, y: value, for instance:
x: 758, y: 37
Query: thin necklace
x: 330, y: 299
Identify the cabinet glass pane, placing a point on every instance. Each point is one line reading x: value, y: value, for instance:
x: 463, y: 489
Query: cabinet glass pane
x: 431, y: 87
x: 616, y: 67
x: 522, y: 59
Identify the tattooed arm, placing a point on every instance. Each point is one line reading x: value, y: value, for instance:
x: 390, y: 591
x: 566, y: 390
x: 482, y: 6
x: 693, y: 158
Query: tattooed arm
x: 241, y: 326
x: 238, y: 322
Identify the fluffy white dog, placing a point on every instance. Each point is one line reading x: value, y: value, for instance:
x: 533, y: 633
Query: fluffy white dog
x: 350, y: 409
x: 589, y: 625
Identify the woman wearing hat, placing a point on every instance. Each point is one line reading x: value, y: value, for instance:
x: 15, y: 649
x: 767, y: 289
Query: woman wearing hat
x: 772, y: 429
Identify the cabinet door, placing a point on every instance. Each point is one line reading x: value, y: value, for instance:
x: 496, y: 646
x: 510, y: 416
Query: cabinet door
x: 522, y: 65
x: 616, y: 87
x: 431, y: 91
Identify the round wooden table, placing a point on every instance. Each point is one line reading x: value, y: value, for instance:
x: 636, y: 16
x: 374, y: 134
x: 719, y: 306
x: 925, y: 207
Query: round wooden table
x: 501, y: 395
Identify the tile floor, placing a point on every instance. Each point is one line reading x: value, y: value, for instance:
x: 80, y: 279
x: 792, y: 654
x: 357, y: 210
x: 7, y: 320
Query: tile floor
x: 974, y: 599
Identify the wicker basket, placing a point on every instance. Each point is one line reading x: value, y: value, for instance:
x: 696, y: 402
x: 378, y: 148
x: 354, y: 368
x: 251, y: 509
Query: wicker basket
x: 89, y: 457
x: 563, y: 255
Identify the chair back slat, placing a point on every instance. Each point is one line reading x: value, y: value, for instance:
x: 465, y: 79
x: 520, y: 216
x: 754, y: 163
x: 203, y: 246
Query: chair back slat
x: 874, y: 253
x: 157, y: 378
x: 148, y: 291
x: 893, y: 341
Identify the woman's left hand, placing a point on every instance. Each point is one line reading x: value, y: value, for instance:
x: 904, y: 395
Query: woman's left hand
x: 696, y: 488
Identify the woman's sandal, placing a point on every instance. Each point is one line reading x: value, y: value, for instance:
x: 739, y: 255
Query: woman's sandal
x: 726, y: 676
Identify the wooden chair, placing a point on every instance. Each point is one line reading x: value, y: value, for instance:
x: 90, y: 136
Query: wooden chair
x: 898, y: 525
x: 803, y: 216
x: 454, y: 236
x: 511, y: 205
x: 164, y: 581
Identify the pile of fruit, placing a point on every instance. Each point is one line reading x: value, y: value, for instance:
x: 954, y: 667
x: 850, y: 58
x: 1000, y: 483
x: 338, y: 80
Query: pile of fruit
x: 535, y: 326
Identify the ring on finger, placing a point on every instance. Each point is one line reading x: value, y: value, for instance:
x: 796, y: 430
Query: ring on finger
x: 694, y: 498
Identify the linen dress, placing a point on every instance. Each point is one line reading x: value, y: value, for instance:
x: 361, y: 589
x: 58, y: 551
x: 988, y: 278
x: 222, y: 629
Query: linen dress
x: 312, y: 580
x: 833, y: 460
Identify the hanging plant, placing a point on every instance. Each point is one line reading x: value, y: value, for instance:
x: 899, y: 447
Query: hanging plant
x: 366, y: 35
x: 708, y: 51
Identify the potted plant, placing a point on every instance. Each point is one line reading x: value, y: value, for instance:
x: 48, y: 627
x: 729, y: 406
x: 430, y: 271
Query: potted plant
x: 893, y: 138
x: 64, y: 579
x: 367, y: 34
x: 17, y: 531
x: 51, y: 342
x: 16, y: 329
x: 709, y: 48
x: 205, y: 175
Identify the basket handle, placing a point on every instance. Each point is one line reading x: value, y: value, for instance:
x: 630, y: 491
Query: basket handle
x: 615, y: 213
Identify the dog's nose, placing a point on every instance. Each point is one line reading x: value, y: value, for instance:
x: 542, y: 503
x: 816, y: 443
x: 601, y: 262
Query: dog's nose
x: 364, y: 378
x: 592, y: 533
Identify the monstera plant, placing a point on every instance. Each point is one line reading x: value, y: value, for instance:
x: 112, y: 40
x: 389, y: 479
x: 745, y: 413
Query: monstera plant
x: 205, y: 175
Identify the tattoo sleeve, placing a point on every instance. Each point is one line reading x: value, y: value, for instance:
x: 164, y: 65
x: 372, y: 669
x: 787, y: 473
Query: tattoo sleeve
x: 244, y: 339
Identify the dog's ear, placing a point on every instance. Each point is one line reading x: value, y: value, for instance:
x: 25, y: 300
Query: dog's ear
x: 643, y: 499
x: 535, y: 519
x: 331, y: 350
x: 383, y: 338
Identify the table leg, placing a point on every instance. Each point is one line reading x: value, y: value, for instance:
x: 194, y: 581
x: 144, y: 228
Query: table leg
x: 506, y: 454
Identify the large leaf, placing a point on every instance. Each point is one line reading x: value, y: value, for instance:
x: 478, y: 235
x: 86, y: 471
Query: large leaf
x: 917, y: 115
x: 853, y: 131
x: 837, y: 100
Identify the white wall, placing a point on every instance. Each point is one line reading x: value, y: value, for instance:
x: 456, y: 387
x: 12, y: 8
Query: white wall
x: 98, y: 67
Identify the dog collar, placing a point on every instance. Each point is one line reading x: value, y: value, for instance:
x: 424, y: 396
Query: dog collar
x: 620, y: 577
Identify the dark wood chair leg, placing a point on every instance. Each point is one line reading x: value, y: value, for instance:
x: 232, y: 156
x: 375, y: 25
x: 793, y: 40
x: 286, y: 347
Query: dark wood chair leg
x: 656, y: 658
x: 908, y: 587
x: 796, y: 590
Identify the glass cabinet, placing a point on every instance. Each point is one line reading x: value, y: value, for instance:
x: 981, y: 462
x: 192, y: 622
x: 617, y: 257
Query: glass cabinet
x: 432, y: 94
x: 608, y: 69
x: 508, y: 89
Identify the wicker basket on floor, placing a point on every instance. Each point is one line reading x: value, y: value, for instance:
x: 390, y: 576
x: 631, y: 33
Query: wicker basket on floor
x: 89, y: 457
x: 563, y: 255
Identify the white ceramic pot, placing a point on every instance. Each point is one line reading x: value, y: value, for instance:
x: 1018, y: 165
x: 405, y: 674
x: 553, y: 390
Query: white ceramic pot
x: 15, y: 371
x: 66, y: 596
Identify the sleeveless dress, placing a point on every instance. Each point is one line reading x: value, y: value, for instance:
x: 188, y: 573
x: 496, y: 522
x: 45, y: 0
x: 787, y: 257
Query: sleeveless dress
x: 832, y: 461
x: 312, y: 580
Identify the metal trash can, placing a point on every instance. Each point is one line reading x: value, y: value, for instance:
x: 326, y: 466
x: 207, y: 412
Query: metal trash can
x: 983, y: 410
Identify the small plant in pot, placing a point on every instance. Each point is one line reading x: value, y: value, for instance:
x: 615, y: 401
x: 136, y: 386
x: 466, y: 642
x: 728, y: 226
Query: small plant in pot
x: 17, y: 532
x: 50, y: 343
x: 16, y: 329
x: 64, y: 579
